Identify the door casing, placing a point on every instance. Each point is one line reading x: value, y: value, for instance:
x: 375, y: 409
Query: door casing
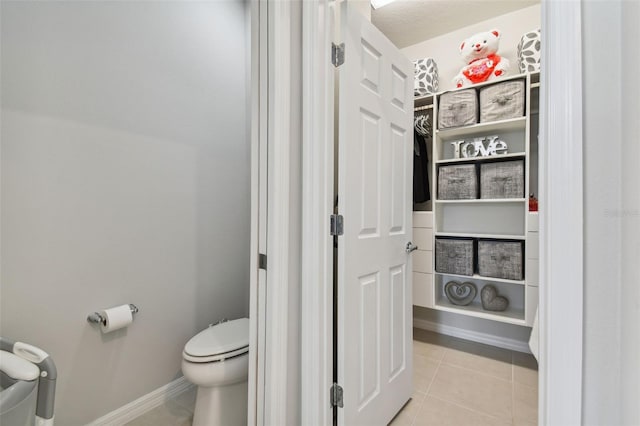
x: 560, y: 370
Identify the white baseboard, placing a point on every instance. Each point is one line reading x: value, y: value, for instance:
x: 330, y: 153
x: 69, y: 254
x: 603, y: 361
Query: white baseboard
x: 143, y: 404
x: 474, y: 336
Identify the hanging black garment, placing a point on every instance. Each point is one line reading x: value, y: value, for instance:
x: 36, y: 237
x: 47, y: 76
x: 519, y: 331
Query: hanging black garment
x: 421, y: 192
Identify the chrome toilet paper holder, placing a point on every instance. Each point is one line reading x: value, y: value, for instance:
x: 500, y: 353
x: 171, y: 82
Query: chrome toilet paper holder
x: 97, y: 318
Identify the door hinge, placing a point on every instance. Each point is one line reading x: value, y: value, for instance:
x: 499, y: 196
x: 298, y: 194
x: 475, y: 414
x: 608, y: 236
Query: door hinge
x: 262, y: 261
x: 337, y: 224
x: 336, y: 396
x: 337, y: 54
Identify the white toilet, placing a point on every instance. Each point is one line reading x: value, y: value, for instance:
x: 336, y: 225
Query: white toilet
x: 217, y: 361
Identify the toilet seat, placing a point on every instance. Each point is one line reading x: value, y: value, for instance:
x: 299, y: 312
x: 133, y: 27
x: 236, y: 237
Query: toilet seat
x: 215, y: 358
x: 219, y: 342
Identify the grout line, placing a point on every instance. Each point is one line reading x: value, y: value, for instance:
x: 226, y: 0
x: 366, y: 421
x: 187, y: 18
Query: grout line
x: 417, y: 410
x: 513, y: 396
x: 469, y: 408
x: 513, y: 389
x: 513, y: 373
x: 457, y: 404
x: 426, y: 392
x: 477, y: 371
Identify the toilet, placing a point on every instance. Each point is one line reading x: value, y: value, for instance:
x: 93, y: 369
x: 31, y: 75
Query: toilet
x: 217, y: 361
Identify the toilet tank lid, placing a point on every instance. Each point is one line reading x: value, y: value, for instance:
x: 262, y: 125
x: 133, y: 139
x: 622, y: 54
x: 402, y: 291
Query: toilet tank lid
x: 220, y: 338
x: 18, y: 368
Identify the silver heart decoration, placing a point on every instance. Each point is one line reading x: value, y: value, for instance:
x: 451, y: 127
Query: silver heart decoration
x: 460, y: 294
x: 491, y: 301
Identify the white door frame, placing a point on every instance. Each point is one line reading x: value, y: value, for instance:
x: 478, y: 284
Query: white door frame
x: 257, y: 295
x: 561, y: 215
x: 274, y: 369
x: 317, y: 205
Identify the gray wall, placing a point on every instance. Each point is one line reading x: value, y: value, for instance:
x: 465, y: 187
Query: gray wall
x: 612, y: 214
x: 602, y: 156
x: 125, y: 178
x: 630, y: 218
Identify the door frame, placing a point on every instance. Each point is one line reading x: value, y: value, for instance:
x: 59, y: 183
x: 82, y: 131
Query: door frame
x: 561, y: 215
x: 274, y: 307
x: 318, y: 154
x: 561, y: 289
x: 257, y: 283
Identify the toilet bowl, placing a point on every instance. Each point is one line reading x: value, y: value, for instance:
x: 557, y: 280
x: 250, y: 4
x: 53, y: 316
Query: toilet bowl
x: 217, y: 361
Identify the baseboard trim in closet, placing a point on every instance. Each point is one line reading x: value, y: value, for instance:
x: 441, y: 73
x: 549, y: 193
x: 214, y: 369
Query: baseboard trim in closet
x: 145, y: 403
x: 474, y: 336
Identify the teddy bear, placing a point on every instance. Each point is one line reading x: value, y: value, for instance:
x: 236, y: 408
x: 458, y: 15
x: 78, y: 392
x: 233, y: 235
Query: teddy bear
x: 479, y: 52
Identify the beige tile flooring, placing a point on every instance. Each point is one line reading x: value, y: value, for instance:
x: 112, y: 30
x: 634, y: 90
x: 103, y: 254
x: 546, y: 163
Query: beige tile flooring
x: 456, y: 383
x: 460, y: 383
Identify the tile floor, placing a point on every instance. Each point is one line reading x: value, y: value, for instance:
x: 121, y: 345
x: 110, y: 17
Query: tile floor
x: 456, y: 383
x: 460, y: 383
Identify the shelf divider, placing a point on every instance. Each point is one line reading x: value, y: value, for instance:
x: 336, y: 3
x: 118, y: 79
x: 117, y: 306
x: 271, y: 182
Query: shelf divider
x: 475, y: 309
x: 480, y: 235
x: 483, y: 278
x: 517, y: 123
x: 483, y: 201
x: 482, y: 159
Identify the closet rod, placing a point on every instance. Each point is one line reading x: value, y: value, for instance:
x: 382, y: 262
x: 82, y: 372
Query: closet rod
x: 422, y: 108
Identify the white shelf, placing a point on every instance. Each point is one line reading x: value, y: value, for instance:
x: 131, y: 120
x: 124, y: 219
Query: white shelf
x: 476, y: 235
x: 482, y: 159
x: 421, y: 101
x: 499, y: 219
x: 511, y: 316
x: 483, y: 201
x: 483, y: 278
x: 497, y: 80
x: 518, y: 123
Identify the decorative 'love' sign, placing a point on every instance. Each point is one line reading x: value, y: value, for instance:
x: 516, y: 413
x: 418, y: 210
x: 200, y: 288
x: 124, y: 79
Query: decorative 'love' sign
x: 479, y: 147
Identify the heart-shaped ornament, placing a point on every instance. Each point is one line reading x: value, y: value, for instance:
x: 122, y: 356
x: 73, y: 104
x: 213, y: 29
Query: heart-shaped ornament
x: 491, y: 301
x: 460, y: 294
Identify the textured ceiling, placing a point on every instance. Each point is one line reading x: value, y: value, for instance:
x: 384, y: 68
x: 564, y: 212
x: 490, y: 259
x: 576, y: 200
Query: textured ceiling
x: 407, y: 22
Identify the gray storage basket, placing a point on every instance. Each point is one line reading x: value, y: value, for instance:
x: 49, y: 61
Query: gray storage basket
x: 502, y: 179
x: 501, y: 259
x: 502, y: 101
x: 458, y: 108
x: 454, y: 256
x: 457, y: 182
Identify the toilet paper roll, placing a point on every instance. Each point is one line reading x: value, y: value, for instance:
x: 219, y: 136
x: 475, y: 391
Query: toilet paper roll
x: 116, y: 318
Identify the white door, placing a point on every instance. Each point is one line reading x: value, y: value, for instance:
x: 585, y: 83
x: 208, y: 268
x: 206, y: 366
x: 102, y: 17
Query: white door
x: 374, y: 193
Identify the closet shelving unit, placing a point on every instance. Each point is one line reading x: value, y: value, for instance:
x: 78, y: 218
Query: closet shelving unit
x: 498, y: 219
x: 423, y: 228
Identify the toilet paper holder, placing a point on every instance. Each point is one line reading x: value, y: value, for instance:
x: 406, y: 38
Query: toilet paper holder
x: 97, y: 318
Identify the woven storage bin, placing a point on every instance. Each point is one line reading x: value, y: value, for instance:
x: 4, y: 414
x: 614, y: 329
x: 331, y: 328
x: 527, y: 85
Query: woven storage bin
x: 454, y: 256
x: 457, y: 182
x: 500, y: 259
x: 502, y: 179
x: 458, y: 108
x: 502, y: 101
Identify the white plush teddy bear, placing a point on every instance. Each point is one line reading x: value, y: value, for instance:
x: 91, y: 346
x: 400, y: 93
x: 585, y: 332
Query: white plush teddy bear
x: 483, y: 63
